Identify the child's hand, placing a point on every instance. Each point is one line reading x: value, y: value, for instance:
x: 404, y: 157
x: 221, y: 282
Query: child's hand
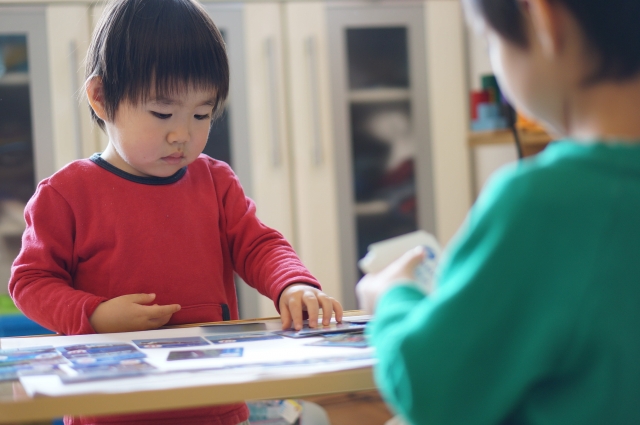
x: 373, y: 285
x: 299, y: 297
x: 130, y: 313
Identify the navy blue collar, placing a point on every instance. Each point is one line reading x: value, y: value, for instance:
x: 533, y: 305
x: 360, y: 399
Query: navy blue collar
x: 97, y: 159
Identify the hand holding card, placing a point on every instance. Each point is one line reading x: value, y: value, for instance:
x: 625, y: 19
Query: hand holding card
x: 405, y: 259
x: 382, y: 254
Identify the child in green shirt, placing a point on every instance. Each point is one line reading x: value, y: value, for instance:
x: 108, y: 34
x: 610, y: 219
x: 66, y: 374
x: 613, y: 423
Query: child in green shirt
x: 536, y: 312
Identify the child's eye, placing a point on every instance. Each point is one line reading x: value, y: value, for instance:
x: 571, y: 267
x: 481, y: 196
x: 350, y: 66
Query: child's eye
x: 202, y: 117
x: 161, y: 116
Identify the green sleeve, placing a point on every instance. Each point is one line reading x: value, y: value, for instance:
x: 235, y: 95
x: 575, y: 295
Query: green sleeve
x: 468, y: 353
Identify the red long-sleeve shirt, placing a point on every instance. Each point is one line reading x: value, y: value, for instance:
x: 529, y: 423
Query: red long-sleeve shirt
x: 95, y: 232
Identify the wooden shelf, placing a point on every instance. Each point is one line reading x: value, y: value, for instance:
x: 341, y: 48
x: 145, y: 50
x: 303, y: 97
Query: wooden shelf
x: 378, y: 95
x: 499, y: 137
x: 14, y: 79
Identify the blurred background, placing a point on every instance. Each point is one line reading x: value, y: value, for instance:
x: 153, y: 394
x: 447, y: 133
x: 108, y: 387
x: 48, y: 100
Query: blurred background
x: 348, y: 122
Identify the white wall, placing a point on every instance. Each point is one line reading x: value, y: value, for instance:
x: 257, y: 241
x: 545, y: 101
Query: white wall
x: 448, y: 101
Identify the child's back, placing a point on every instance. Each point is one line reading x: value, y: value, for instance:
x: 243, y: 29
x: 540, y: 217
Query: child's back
x: 535, y: 317
x: 536, y: 312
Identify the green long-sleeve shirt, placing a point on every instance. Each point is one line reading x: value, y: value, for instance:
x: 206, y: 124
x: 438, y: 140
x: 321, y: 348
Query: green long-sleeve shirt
x: 536, y: 319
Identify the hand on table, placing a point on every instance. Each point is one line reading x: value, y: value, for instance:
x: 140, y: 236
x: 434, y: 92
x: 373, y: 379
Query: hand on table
x: 373, y: 285
x: 129, y: 313
x: 300, y: 297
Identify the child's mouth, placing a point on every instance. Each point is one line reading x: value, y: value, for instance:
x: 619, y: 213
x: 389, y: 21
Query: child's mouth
x: 173, y: 158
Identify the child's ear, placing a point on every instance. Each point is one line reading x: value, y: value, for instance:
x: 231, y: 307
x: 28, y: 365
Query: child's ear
x: 546, y: 19
x: 95, y: 95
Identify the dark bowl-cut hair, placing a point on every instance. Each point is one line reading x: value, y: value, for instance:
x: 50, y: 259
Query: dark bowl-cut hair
x: 156, y: 47
x: 611, y: 27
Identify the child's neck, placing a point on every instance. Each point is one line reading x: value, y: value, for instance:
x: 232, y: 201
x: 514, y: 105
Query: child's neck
x: 607, y: 111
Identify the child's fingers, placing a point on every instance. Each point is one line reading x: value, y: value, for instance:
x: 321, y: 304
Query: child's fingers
x: 295, y: 308
x: 327, y: 309
x: 285, y: 316
x: 139, y: 298
x: 337, y: 309
x: 404, y: 267
x: 157, y: 322
x: 412, y: 258
x: 313, y: 308
x: 160, y: 311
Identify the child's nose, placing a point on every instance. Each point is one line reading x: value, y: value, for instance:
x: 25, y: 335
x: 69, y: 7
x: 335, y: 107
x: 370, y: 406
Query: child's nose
x: 180, y: 133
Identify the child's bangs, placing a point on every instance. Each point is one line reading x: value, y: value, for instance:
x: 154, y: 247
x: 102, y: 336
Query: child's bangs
x: 170, y: 46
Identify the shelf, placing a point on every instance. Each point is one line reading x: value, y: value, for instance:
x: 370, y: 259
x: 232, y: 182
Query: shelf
x: 499, y: 137
x: 14, y: 79
x: 376, y: 207
x: 379, y: 95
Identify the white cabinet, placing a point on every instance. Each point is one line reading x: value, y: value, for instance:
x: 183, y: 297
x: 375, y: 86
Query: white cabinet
x: 42, y: 126
x: 346, y: 121
x: 347, y: 124
x: 315, y: 178
x: 281, y: 129
x: 382, y: 126
x: 257, y: 122
x: 400, y: 117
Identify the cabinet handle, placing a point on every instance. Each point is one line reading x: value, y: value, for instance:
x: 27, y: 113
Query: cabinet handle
x: 317, y: 154
x: 272, y: 83
x: 73, y: 73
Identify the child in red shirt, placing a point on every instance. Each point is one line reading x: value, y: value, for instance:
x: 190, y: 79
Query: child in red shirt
x: 150, y: 231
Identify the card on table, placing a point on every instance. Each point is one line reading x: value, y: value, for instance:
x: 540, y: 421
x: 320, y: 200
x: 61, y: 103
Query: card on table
x: 306, y: 331
x: 117, y: 369
x: 358, y: 320
x: 242, y: 337
x: 30, y: 356
x: 205, y: 354
x: 29, y: 361
x: 14, y: 373
x: 100, y: 352
x: 356, y: 340
x: 194, y: 341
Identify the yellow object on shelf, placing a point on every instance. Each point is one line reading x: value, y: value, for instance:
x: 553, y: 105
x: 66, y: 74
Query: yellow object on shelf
x: 525, y: 124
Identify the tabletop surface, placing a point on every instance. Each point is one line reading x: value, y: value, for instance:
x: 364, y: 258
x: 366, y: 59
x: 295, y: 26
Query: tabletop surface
x: 17, y: 407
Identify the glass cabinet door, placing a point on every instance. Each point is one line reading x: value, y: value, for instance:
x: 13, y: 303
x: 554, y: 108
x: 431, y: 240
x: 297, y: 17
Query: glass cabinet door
x: 26, y: 141
x: 382, y: 138
x: 383, y: 145
x: 17, y: 171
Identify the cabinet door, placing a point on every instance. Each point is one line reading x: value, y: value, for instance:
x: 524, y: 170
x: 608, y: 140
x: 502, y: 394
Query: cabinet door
x: 26, y: 143
x: 268, y: 137
x: 252, y: 134
x: 33, y: 80
x: 229, y: 137
x: 314, y: 174
x: 383, y: 148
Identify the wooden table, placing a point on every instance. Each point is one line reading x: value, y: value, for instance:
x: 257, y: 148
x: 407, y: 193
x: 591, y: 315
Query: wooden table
x: 17, y: 407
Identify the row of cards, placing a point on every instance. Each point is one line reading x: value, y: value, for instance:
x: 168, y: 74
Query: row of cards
x: 80, y: 362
